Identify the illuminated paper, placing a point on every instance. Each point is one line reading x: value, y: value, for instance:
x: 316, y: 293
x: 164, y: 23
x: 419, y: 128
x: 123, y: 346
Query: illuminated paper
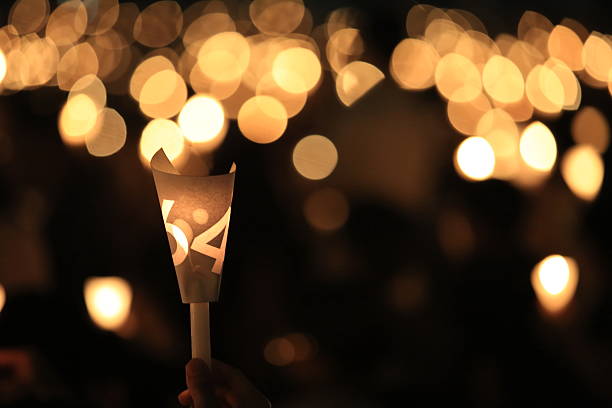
x: 196, y: 211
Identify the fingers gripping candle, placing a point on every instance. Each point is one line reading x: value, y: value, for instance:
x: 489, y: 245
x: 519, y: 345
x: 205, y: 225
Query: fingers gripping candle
x: 196, y: 211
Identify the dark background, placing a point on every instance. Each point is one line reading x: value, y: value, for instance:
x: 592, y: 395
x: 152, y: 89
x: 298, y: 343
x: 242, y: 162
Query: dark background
x: 398, y: 319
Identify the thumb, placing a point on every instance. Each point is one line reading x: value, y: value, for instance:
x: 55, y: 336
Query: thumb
x: 199, y: 382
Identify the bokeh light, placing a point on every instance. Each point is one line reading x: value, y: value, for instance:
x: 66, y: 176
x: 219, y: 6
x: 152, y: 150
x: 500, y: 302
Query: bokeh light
x: 78, y: 117
x: 91, y: 86
x: 564, y: 44
x: 315, y: 157
x: 161, y: 134
x: 276, y: 17
x: 101, y: 16
x: 572, y: 92
x: 457, y: 78
x: 344, y: 46
x: 293, y: 102
x: 296, y: 70
x: 475, y: 159
x: 2, y: 297
x: 159, y: 24
x: 77, y: 62
x: 499, y: 129
x: 204, y: 27
x: 355, y: 80
x: 29, y: 16
x: 583, y: 171
x: 502, y: 80
x: 326, y: 210
x: 538, y: 147
x: 108, y: 301
x: 224, y: 57
x: 202, y: 119
x: 465, y: 116
x: 597, y: 56
x: 413, y: 64
x: 589, y: 126
x: 3, y: 66
x: 163, y: 94
x: 262, y: 119
x: 554, y: 281
x: 67, y: 23
x: 545, y: 90
x: 145, y: 70
x: 279, y: 352
x: 110, y: 135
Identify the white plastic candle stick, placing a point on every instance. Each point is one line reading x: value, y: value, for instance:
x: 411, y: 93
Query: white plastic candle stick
x: 200, y: 332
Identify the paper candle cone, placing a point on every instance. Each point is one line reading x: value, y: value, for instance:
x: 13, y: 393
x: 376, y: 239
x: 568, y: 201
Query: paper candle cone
x: 196, y: 211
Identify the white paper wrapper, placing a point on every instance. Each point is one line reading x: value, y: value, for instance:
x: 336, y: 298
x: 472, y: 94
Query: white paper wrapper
x: 196, y: 211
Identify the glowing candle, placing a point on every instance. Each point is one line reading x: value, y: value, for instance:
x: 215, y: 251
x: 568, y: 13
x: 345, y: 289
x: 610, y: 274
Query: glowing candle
x: 196, y: 212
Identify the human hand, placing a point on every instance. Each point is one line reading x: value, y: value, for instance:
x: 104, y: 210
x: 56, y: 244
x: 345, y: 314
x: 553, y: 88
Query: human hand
x: 224, y: 387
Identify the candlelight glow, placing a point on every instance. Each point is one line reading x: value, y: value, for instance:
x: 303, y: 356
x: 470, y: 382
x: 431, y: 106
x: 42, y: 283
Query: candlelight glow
x: 29, y: 16
x: 545, y: 90
x: 2, y: 297
x: 262, y: 119
x: 108, y: 301
x: 499, y: 129
x: 78, y: 117
x: 237, y: 99
x: 101, y: 15
x: 276, y: 17
x: 443, y: 34
x: 217, y: 89
x: 597, y: 56
x: 315, y: 157
x: 583, y: 171
x: 67, y: 23
x: 279, y: 352
x: 590, y: 126
x: 159, y: 24
x: 202, y: 119
x: 564, y: 44
x: 110, y: 137
x: 92, y: 87
x: 344, y: 46
x: 224, y: 57
x: 520, y: 111
x: 355, y: 80
x: 3, y: 66
x: 293, y: 102
x: 475, y: 159
x: 465, y: 116
x: 163, y: 94
x: 146, y: 70
x: 538, y: 147
x: 413, y: 64
x: 305, y: 346
x: 571, y: 87
x: 524, y: 55
x: 296, y: 70
x: 161, y: 134
x: 531, y: 20
x: 326, y: 209
x: 205, y: 26
x: 502, y: 80
x: 554, y: 281
x: 77, y: 62
x: 457, y: 78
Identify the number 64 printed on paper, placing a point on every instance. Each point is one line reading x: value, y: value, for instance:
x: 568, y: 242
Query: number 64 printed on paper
x: 201, y: 242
